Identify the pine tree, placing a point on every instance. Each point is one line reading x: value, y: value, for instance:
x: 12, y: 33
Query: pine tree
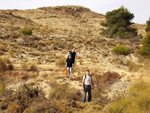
x: 148, y: 25
x: 118, y: 24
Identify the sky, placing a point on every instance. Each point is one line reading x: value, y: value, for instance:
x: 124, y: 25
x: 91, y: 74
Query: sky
x: 140, y: 8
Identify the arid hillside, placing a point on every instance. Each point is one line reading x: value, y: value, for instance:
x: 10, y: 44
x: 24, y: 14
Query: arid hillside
x: 38, y: 60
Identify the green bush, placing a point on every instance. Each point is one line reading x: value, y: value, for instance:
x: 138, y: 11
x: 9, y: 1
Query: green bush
x: 145, y: 50
x: 137, y: 101
x: 26, y: 31
x: 121, y: 49
x: 147, y: 29
x: 118, y: 24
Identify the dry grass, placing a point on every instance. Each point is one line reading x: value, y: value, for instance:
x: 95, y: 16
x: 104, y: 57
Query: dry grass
x: 33, y: 67
x: 63, y: 92
x: 5, y: 64
x: 60, y: 62
x: 137, y: 101
x: 2, y: 88
x: 24, y: 66
x: 132, y: 66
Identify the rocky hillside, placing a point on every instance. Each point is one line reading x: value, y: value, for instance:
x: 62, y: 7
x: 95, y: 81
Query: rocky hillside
x: 56, y: 30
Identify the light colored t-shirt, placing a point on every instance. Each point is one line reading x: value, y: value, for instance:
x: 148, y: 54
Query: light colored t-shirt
x: 88, y: 79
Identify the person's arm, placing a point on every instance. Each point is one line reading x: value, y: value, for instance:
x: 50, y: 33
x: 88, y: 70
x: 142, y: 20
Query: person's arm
x: 75, y: 56
x: 83, y: 85
x: 92, y: 83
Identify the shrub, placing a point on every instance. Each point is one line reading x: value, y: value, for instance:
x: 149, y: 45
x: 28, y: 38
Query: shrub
x: 137, y: 101
x: 121, y: 49
x: 2, y: 87
x: 24, y: 66
x: 17, y: 101
x: 33, y: 67
x: 132, y: 66
x: 63, y: 92
x: 96, y: 94
x: 145, y: 50
x: 2, y: 47
x: 118, y: 24
x: 60, y: 62
x: 5, y: 64
x: 10, y: 67
x: 11, y: 52
x: 26, y: 31
x: 148, y: 25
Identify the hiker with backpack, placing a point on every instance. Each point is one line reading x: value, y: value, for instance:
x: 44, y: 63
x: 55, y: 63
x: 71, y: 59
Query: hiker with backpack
x: 69, y: 64
x: 86, y: 85
x: 73, y: 54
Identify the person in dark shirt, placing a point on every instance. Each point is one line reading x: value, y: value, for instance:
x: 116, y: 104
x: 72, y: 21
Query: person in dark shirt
x: 73, y: 54
x: 69, y: 64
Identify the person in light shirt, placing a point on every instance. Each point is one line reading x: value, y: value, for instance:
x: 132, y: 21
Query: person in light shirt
x: 86, y: 85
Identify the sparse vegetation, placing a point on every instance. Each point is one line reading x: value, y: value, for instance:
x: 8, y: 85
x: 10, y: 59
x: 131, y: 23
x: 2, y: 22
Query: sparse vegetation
x: 121, y: 49
x: 145, y: 50
x: 118, y: 24
x: 2, y: 88
x: 63, y: 92
x: 60, y: 62
x: 11, y: 52
x: 40, y: 51
x: 96, y: 94
x: 26, y: 31
x: 137, y: 101
x: 24, y: 66
x: 33, y: 67
x: 18, y: 101
x: 132, y: 66
x: 5, y: 64
x: 2, y: 47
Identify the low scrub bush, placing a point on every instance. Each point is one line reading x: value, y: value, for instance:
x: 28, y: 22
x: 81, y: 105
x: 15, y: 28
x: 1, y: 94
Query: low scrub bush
x: 96, y: 94
x: 132, y: 66
x: 2, y: 88
x: 24, y: 66
x: 5, y: 64
x: 60, y: 62
x: 17, y: 101
x: 121, y: 49
x: 63, y: 92
x: 26, y: 31
x: 33, y: 67
x: 137, y: 101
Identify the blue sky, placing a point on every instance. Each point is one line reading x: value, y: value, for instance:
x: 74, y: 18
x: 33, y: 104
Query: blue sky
x: 140, y: 8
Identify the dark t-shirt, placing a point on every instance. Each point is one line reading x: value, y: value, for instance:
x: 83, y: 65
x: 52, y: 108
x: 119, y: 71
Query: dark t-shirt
x: 73, y: 54
x: 69, y: 62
